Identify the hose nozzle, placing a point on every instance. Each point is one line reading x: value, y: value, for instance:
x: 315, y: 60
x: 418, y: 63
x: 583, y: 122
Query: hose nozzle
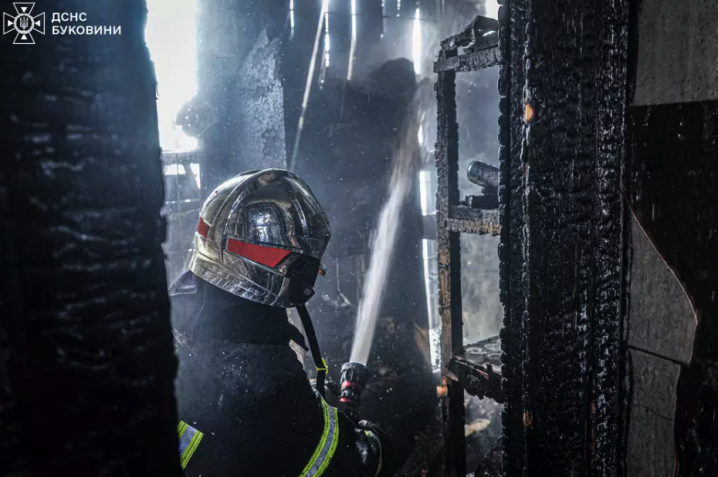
x: 353, y: 380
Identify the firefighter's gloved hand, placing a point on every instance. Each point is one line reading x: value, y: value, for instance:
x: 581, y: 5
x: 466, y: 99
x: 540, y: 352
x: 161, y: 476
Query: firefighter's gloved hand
x: 375, y: 433
x: 369, y: 426
x: 332, y: 387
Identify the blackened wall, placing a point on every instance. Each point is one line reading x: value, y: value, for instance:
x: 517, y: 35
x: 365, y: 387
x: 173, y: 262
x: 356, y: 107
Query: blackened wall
x: 671, y: 184
x: 87, y: 357
x: 673, y: 177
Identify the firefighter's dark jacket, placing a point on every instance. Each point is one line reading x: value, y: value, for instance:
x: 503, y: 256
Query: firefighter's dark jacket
x: 242, y: 386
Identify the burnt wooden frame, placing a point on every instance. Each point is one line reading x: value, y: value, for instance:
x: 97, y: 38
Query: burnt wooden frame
x: 454, y: 218
x: 562, y: 88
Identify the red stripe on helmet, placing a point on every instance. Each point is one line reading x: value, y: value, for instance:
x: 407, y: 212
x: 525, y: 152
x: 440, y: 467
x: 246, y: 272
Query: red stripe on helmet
x: 202, y: 228
x: 264, y: 255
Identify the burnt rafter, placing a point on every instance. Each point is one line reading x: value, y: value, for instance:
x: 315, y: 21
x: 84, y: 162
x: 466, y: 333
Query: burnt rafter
x: 470, y: 61
x: 471, y: 220
x: 480, y: 33
x: 449, y: 266
x: 479, y: 41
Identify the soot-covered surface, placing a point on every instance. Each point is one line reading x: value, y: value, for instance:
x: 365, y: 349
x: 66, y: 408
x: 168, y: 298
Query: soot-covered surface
x: 87, y: 355
x: 561, y: 250
x: 511, y: 265
x: 673, y: 172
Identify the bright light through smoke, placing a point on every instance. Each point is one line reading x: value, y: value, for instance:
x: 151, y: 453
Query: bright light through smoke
x: 171, y: 36
x: 352, y: 48
x: 416, y: 42
x: 492, y: 9
x: 427, y: 286
x: 326, y: 34
x: 291, y: 15
x: 424, y: 179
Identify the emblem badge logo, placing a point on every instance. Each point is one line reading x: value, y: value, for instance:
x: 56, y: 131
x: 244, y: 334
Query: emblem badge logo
x: 23, y: 23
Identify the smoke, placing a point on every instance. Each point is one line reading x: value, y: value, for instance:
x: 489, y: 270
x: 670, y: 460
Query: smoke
x: 477, y: 99
x: 482, y: 310
x: 405, y: 164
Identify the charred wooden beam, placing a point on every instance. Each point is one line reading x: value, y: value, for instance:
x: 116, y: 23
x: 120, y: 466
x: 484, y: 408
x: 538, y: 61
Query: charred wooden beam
x: 449, y: 266
x: 474, y: 61
x: 563, y: 248
x: 512, y: 264
x: 478, y: 215
x: 477, y: 380
x: 88, y: 363
x: 473, y: 35
x: 473, y: 221
x: 478, y: 369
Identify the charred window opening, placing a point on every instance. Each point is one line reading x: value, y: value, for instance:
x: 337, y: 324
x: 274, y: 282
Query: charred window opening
x: 468, y: 269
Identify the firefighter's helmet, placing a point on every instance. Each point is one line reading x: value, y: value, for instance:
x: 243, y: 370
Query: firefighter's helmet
x: 261, y: 236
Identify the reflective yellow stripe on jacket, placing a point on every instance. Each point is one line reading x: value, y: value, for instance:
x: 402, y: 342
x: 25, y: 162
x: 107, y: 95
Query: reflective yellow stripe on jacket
x: 327, y: 445
x: 190, y: 438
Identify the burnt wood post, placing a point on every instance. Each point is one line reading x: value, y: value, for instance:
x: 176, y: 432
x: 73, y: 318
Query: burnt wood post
x: 449, y: 266
x: 87, y: 354
x: 562, y: 242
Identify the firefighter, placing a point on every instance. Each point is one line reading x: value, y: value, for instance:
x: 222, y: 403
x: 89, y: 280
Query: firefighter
x: 245, y: 402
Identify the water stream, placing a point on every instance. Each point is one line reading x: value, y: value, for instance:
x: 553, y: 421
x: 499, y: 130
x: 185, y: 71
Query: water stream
x: 405, y: 165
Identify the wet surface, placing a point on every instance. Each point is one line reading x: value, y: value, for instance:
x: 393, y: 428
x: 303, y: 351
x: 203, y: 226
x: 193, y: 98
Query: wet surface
x: 561, y: 237
x: 674, y: 194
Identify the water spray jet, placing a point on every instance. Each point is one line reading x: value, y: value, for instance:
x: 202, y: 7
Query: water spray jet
x: 405, y: 165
